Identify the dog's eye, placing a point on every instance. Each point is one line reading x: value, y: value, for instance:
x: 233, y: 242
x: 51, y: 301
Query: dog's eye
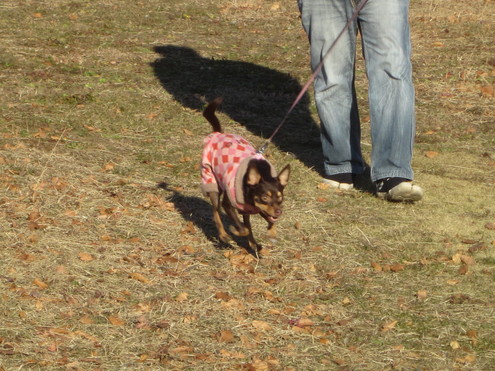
x: 265, y: 198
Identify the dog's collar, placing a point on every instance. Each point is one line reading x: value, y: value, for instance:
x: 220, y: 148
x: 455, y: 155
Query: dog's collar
x: 247, y: 209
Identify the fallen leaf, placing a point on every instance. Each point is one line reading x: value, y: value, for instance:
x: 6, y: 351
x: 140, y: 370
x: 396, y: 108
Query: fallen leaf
x: 431, y: 154
x: 456, y: 258
x: 258, y: 365
x: 397, y: 267
x: 490, y: 226
x: 116, y: 321
x: 190, y: 319
x: 388, y: 326
x: 108, y: 166
x: 139, y: 277
x: 52, y: 347
x: 181, y: 349
x: 226, y: 354
x: 85, y: 257
x: 455, y: 344
x: 470, y: 358
x: 459, y: 299
x: 189, y: 228
x: 477, y: 247
x: 464, y: 269
x: 487, y: 91
x: 339, y: 362
x: 261, y: 325
x: 473, y: 336
x: 468, y: 260
x: 163, y: 324
x: 27, y: 257
x: 422, y: 294
x: 377, y: 267
x: 86, y: 320
x: 223, y: 296
x: 33, y: 238
x: 34, y: 215
x: 91, y: 128
x: 304, y: 322
x: 346, y: 301
x: 453, y: 19
x: 182, y: 297
x: 226, y: 336
x: 187, y: 249
x: 61, y: 269
x: 40, y: 284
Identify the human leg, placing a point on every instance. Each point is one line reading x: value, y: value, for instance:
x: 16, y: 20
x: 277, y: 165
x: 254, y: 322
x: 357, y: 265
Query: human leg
x: 335, y: 95
x: 387, y: 50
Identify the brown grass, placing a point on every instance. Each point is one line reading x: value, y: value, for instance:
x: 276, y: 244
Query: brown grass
x: 101, y: 269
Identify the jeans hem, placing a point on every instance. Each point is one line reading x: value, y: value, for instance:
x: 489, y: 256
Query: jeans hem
x: 393, y: 174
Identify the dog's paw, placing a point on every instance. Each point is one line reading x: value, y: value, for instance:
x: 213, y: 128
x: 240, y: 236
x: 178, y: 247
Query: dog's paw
x: 243, y: 232
x: 224, y: 237
x: 272, y: 235
x: 255, y: 246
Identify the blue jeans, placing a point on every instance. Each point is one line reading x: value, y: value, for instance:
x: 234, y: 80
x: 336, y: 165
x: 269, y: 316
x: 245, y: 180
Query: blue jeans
x: 386, y: 43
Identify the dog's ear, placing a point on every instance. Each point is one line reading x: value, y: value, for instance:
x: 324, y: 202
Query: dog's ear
x: 253, y: 176
x: 283, y: 176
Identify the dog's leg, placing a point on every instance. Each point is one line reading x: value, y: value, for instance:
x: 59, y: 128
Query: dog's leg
x: 252, y: 242
x: 239, y: 229
x: 215, y: 202
x: 271, y: 232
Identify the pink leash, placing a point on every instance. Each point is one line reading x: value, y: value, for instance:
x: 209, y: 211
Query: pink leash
x: 312, y: 78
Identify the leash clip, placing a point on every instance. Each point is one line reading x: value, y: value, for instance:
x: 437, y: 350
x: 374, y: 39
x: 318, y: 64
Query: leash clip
x: 263, y: 148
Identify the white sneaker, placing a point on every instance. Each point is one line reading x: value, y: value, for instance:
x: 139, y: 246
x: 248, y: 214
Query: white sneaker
x: 405, y: 191
x: 337, y: 185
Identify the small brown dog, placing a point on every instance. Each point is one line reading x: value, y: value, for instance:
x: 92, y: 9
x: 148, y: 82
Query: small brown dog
x: 231, y: 167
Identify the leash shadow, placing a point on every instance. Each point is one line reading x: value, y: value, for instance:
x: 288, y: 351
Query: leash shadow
x: 257, y: 97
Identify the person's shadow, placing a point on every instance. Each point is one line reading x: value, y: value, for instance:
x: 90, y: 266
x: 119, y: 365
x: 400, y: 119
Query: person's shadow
x: 256, y: 97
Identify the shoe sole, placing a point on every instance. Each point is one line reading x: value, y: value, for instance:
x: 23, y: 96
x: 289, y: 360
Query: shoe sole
x: 405, y: 191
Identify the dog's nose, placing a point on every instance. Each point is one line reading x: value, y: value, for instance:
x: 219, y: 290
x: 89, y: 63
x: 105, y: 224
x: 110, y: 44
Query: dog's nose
x: 278, y: 212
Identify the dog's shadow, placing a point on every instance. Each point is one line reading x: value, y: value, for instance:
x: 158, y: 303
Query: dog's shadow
x: 257, y: 97
x: 198, y: 211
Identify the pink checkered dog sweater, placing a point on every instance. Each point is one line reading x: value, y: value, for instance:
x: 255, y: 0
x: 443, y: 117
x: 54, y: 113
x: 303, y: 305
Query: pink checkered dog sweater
x: 224, y: 164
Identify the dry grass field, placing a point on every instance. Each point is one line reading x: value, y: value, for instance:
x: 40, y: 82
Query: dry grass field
x: 108, y: 255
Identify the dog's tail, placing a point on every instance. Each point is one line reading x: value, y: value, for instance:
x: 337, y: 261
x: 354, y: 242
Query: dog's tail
x: 209, y: 114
